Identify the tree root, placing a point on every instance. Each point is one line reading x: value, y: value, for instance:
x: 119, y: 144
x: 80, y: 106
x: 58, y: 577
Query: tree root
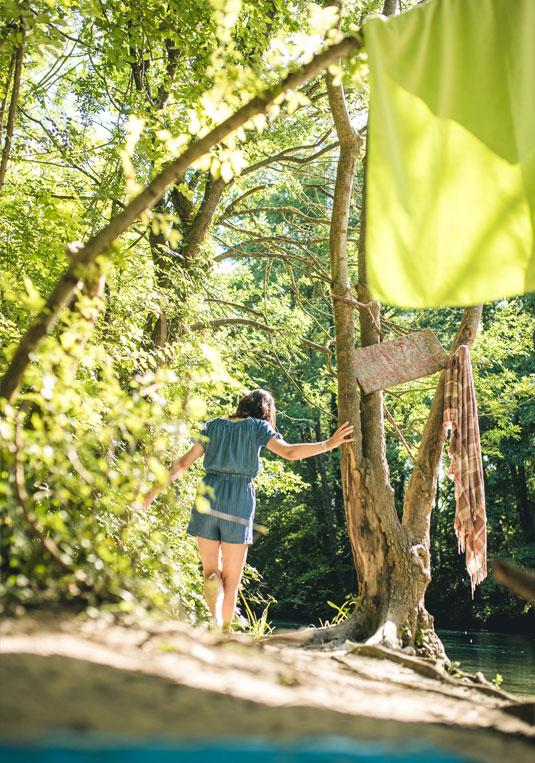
x: 334, y: 635
x: 385, y: 636
x: 425, y: 668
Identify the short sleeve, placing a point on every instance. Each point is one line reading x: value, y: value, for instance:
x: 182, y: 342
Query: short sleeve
x: 266, y: 432
x: 202, y: 436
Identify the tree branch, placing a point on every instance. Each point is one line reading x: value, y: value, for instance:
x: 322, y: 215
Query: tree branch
x: 402, y: 440
x: 348, y: 403
x: 233, y: 204
x: 281, y: 211
x: 218, y: 323
x: 284, y: 154
x: 362, y: 306
x: 234, y: 304
x: 199, y: 227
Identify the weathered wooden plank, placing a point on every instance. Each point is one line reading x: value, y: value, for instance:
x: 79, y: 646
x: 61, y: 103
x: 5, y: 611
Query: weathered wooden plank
x: 401, y: 360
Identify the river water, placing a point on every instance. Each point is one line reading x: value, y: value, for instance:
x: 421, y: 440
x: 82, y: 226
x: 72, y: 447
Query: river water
x: 512, y: 656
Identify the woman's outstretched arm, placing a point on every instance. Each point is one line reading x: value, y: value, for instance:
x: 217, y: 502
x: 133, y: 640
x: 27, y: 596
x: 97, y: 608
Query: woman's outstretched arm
x: 308, y: 449
x: 177, y: 468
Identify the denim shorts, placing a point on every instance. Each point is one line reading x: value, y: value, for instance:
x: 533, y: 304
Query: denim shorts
x: 233, y: 495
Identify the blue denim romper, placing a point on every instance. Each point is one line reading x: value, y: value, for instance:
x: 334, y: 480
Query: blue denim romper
x: 231, y: 461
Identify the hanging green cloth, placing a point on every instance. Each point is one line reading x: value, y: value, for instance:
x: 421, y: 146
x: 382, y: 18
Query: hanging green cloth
x: 450, y: 214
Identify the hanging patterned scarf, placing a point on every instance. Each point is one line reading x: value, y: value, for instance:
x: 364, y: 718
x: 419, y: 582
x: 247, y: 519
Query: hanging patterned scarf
x: 466, y: 469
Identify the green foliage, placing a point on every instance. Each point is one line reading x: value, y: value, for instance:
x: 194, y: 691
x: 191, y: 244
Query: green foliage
x: 342, y: 612
x: 256, y: 625
x: 77, y: 456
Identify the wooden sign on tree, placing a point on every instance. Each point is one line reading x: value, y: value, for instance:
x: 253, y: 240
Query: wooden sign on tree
x: 401, y: 360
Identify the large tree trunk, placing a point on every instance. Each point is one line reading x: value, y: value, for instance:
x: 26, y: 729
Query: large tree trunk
x: 392, y: 558
x: 365, y: 487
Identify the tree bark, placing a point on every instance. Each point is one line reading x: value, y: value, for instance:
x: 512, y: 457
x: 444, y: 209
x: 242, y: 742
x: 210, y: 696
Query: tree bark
x: 392, y: 559
x: 365, y: 489
x: 201, y: 223
x: 99, y: 243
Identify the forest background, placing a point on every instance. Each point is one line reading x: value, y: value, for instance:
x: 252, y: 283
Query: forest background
x: 223, y: 287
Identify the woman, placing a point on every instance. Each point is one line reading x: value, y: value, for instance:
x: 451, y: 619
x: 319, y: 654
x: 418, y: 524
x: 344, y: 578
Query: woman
x: 231, y: 447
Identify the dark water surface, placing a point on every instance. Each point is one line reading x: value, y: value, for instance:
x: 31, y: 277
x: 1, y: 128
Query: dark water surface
x: 512, y: 656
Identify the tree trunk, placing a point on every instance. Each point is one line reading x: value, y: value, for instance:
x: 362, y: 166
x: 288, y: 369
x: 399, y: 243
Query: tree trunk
x: 364, y: 489
x: 392, y: 558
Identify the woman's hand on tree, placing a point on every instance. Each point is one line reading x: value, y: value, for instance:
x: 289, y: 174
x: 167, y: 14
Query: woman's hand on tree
x: 342, y: 435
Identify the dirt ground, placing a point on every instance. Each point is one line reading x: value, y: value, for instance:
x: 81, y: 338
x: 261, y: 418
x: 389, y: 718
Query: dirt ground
x: 170, y: 680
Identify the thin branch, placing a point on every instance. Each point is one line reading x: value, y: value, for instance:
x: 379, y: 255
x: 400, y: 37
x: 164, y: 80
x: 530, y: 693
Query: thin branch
x: 280, y: 253
x: 362, y: 306
x: 234, y: 304
x: 218, y: 323
x: 233, y: 204
x: 284, y: 154
x: 59, y: 147
x: 267, y: 273
x: 54, y: 69
x: 297, y: 293
x: 66, y: 197
x: 399, y: 434
x: 320, y: 188
x: 281, y: 211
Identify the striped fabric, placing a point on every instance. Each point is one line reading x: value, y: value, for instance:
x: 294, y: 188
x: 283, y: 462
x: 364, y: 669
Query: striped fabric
x: 466, y: 469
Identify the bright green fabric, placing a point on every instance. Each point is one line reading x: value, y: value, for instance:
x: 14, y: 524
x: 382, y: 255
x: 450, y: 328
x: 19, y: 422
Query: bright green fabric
x: 451, y: 153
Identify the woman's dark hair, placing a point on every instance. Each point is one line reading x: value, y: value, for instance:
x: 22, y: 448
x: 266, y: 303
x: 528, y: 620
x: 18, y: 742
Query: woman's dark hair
x: 258, y: 404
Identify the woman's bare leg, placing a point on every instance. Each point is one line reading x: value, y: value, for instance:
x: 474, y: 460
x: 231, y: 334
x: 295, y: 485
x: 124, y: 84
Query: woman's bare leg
x: 234, y: 556
x: 210, y: 551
